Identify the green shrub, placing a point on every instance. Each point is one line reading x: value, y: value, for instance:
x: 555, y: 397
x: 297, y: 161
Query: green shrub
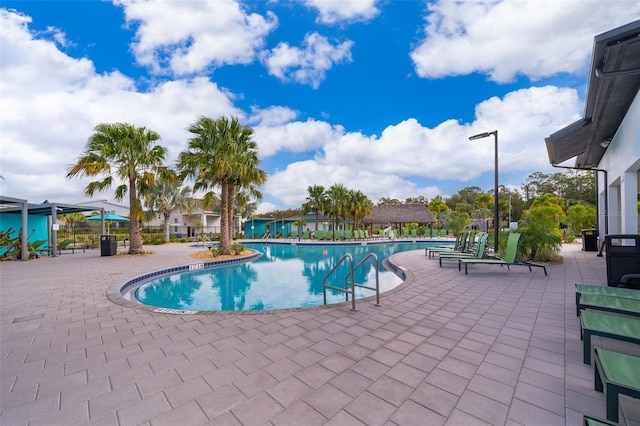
x: 215, y: 252
x: 237, y: 249
x: 540, y: 241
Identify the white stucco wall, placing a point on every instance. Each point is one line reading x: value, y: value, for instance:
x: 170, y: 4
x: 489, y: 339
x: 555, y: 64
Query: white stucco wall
x: 622, y: 162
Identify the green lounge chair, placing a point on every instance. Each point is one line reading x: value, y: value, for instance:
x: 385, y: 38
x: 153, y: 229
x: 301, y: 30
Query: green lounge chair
x: 590, y: 421
x: 459, y: 246
x: 305, y: 235
x: 626, y: 293
x: 478, y: 253
x: 618, y: 305
x: 414, y: 233
x: 509, y: 257
x: 610, y: 326
x: 616, y: 374
x: 64, y: 245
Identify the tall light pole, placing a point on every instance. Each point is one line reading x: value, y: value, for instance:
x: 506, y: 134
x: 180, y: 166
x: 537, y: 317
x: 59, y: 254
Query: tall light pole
x: 496, y: 211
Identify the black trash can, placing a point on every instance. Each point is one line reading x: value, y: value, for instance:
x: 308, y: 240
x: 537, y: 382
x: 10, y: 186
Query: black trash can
x: 623, y: 257
x: 590, y: 240
x: 108, y: 245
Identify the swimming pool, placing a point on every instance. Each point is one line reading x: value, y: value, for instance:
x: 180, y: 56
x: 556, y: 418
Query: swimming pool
x: 285, y: 276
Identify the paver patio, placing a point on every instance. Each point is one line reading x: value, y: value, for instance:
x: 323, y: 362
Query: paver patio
x: 493, y: 347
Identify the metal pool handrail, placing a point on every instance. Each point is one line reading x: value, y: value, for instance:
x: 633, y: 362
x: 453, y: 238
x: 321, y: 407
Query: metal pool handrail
x: 349, y: 281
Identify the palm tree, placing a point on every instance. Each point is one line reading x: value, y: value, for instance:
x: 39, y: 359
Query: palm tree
x: 169, y: 194
x: 128, y: 155
x: 359, y: 206
x: 337, y: 202
x: 221, y: 153
x: 316, y: 200
x: 247, y: 174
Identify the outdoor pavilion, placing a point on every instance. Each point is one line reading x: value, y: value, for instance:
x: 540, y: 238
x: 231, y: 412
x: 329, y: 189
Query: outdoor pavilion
x: 14, y: 206
x: 400, y: 214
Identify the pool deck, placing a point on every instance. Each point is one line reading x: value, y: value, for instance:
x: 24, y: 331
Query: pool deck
x: 492, y: 347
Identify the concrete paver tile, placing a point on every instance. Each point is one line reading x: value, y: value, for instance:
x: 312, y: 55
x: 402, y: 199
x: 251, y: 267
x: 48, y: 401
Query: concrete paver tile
x: 545, y: 381
x: 435, y: 399
x: 143, y: 410
x: 412, y: 413
x: 221, y: 400
x: 448, y: 381
x: 254, y: 383
x: 344, y: 419
x: 350, y: 382
x: 456, y: 366
x: 222, y: 376
x: 391, y: 390
x: 188, y: 414
x: 460, y: 418
x: 370, y: 409
x: 288, y: 391
x: 184, y: 392
x: 482, y: 407
x: 522, y: 412
x: 299, y: 413
x: 407, y: 374
x: 327, y: 400
x: 257, y: 409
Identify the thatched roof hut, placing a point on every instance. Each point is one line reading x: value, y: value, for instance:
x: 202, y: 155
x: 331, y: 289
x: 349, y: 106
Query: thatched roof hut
x: 400, y: 213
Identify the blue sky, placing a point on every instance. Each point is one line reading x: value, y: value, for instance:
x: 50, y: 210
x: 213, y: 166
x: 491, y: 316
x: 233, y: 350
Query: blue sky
x: 380, y: 96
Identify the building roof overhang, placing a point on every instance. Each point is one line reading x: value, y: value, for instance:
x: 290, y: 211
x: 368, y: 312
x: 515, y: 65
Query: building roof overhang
x: 614, y: 82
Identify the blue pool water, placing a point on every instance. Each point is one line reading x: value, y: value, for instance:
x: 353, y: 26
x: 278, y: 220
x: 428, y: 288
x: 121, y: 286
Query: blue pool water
x: 286, y: 276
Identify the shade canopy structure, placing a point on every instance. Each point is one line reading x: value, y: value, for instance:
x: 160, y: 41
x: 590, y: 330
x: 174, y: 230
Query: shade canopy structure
x: 108, y: 217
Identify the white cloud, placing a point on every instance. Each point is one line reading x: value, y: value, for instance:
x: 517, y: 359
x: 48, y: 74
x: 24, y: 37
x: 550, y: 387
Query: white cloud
x: 296, y: 136
x: 307, y: 65
x: 51, y: 102
x: 510, y: 37
x: 192, y: 36
x: 272, y: 116
x: 335, y: 11
x: 387, y: 166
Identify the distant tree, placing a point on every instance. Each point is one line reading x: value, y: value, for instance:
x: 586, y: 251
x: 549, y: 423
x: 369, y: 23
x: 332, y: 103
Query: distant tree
x: 169, y: 194
x: 465, y: 195
x: 464, y: 207
x: 580, y: 216
x: 385, y: 200
x: 70, y: 219
x: 420, y: 199
x: 123, y: 153
x: 458, y: 222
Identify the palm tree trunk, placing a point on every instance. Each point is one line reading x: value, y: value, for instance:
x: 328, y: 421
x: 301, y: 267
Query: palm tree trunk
x: 231, y: 217
x: 225, y: 243
x: 167, y: 215
x: 135, y: 245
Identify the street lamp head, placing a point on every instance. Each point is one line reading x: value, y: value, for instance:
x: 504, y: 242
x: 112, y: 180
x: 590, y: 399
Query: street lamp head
x: 482, y: 135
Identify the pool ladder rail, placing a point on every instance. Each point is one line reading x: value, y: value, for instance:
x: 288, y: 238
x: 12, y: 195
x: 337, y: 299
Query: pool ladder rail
x: 349, y: 282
